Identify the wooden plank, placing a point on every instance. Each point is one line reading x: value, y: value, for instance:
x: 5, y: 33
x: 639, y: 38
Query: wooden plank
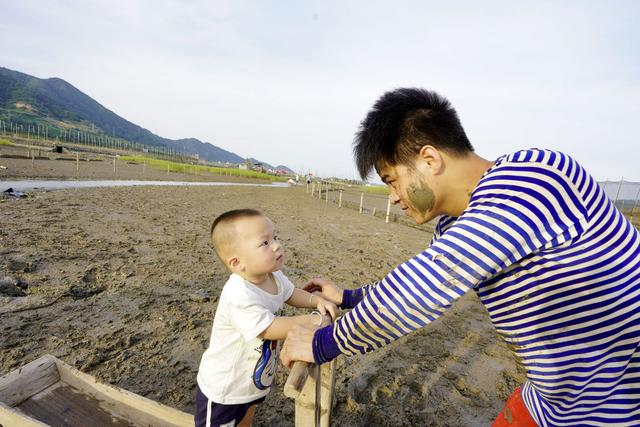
x: 328, y: 375
x: 13, y: 417
x: 132, y: 407
x: 306, y: 402
x: 24, y: 382
x: 301, y: 385
x: 296, y: 379
x: 331, y: 385
x: 62, y: 405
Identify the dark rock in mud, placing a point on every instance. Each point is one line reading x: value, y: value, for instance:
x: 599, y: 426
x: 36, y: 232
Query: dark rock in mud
x: 89, y: 276
x: 360, y: 388
x: 200, y: 296
x: 82, y: 292
x: 10, y: 287
x: 20, y: 266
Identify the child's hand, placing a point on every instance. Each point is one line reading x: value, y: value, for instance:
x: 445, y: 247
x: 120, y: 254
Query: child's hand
x: 324, y: 288
x: 326, y: 307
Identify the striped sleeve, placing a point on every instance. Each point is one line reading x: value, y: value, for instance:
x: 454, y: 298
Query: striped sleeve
x: 351, y: 297
x: 513, y: 213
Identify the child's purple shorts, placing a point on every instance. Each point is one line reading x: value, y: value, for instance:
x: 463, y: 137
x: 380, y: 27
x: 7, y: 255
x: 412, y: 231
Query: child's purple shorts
x: 211, y: 414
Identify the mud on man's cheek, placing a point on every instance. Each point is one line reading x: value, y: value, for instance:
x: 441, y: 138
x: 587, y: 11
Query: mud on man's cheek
x: 421, y: 197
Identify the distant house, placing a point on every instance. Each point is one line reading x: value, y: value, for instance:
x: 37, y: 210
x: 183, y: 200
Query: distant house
x: 281, y: 172
x: 242, y: 166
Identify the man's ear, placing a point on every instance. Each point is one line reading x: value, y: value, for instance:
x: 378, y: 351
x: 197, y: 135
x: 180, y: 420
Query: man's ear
x: 432, y: 157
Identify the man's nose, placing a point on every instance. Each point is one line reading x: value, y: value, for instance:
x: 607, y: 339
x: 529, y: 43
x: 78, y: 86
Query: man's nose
x: 393, y: 196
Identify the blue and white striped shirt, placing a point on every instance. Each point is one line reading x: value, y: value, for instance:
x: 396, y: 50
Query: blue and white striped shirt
x: 558, y: 268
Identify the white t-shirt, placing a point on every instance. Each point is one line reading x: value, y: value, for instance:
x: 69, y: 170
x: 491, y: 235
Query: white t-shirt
x: 238, y: 367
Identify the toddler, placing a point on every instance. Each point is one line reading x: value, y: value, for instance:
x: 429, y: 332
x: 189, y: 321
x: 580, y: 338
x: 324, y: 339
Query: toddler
x: 238, y: 368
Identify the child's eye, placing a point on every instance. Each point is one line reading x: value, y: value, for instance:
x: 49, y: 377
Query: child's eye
x: 265, y: 243
x: 275, y: 238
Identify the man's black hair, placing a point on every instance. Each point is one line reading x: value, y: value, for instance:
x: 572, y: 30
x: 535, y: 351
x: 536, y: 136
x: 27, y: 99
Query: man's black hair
x: 401, y: 122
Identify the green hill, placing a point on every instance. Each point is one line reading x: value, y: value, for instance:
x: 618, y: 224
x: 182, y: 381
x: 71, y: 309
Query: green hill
x: 57, y: 108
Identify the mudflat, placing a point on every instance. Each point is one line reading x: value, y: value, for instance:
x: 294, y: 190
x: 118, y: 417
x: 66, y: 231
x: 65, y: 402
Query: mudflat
x: 122, y: 283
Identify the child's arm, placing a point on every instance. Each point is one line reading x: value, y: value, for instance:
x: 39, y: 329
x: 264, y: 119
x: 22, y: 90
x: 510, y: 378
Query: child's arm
x: 303, y: 299
x: 281, y: 325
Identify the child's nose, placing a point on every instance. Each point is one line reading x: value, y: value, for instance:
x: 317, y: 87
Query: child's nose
x: 276, y: 246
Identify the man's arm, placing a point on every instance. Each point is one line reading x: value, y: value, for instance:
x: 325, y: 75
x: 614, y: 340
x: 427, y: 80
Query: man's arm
x: 496, y: 231
x: 349, y: 298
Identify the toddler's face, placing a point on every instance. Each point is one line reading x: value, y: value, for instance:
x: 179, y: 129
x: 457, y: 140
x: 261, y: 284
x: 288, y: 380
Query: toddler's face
x: 258, y: 247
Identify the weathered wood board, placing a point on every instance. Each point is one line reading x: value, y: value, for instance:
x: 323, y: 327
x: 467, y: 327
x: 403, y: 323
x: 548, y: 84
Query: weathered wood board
x: 48, y: 392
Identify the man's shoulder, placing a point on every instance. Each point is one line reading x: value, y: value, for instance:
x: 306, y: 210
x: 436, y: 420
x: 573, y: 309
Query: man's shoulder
x: 532, y: 156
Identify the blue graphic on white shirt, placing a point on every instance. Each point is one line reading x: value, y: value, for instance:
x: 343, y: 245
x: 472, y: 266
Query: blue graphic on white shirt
x: 265, y: 369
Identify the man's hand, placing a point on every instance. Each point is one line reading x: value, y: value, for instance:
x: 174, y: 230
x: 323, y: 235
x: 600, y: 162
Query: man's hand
x: 326, y: 307
x: 297, y: 346
x: 324, y: 288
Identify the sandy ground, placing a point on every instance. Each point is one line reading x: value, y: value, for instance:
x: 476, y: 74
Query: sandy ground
x: 122, y: 284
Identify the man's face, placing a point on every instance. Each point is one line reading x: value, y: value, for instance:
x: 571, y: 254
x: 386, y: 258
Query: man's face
x: 409, y: 188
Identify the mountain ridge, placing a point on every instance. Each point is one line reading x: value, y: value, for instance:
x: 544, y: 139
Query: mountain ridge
x: 25, y: 100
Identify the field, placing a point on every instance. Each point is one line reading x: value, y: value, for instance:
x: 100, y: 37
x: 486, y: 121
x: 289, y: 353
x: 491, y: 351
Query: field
x: 39, y: 161
x: 122, y: 284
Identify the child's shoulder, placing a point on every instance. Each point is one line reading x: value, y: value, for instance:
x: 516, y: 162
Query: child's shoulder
x: 239, y: 292
x: 285, y: 283
x: 279, y: 275
x: 234, y: 288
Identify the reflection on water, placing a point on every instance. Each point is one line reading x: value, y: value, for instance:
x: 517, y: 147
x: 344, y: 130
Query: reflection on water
x: 56, y: 185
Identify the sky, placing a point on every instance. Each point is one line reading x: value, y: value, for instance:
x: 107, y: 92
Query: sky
x: 288, y: 82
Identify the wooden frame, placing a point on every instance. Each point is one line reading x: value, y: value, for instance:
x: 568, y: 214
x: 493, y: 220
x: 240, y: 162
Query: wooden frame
x: 304, y: 383
x: 301, y: 386
x: 49, y: 389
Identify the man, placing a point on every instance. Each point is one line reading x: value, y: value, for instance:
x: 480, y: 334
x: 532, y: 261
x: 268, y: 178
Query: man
x: 554, y: 262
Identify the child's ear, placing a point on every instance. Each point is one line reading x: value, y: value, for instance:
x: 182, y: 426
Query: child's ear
x: 234, y: 264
